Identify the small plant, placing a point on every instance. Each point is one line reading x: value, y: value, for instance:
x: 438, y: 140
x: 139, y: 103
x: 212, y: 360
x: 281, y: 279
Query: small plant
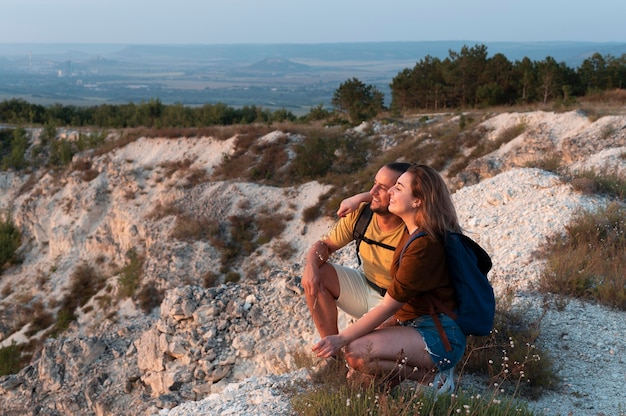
x: 130, y: 275
x: 10, y: 359
x: 284, y: 249
x: 149, y: 297
x: 549, y: 163
x: 10, y: 241
x: 85, y: 282
x: 510, y: 358
x: 188, y: 228
x: 232, y: 277
x: 42, y: 319
x: 270, y: 225
x: 606, y: 181
x: 89, y: 175
x: 210, y: 279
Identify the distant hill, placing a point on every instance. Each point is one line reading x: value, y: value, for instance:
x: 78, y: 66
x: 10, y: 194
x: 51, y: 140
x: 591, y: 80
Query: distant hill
x: 236, y: 74
x: 278, y: 65
x: 572, y: 53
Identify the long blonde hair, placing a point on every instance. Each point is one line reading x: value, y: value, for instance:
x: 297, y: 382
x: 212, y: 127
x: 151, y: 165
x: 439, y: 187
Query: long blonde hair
x: 437, y: 214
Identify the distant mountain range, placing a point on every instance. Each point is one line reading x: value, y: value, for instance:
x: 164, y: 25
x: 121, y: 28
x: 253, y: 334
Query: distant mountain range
x: 293, y: 76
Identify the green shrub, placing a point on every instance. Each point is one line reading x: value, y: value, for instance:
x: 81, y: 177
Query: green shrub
x: 85, y: 283
x: 314, y: 157
x: 16, y: 157
x: 130, y: 274
x: 64, y: 318
x: 10, y: 359
x: 10, y: 241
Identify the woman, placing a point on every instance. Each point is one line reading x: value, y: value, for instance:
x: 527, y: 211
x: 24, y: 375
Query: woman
x: 414, y: 349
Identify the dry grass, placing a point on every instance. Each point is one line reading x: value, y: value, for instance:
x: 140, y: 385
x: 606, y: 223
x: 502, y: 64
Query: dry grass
x: 577, y: 263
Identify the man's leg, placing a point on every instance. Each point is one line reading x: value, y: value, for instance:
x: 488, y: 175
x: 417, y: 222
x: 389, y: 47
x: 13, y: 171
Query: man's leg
x: 323, y: 307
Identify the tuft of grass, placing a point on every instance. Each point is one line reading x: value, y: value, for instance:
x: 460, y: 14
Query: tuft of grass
x: 549, y: 163
x: 284, y: 249
x: 607, y: 181
x: 210, y: 279
x: 334, y: 395
x: 232, y: 277
x: 130, y: 275
x: 149, y: 297
x: 576, y: 261
x: 189, y: 228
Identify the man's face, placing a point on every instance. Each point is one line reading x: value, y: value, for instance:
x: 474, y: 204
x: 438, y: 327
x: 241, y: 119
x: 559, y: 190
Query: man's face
x: 384, y: 180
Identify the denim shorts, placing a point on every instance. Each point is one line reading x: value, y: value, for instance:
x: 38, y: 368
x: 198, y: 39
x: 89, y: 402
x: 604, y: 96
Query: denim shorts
x: 425, y: 325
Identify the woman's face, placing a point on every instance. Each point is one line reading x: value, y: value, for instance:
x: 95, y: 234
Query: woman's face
x: 401, y: 199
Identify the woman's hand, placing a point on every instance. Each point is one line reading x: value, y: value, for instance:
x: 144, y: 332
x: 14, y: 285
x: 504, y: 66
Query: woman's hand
x: 329, y: 346
x: 352, y: 203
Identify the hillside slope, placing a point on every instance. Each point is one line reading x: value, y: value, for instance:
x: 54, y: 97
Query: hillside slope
x: 116, y: 356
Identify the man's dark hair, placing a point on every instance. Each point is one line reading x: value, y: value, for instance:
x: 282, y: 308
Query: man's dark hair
x: 399, y: 167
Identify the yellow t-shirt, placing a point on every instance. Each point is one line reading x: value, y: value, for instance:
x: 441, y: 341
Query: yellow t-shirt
x: 376, y: 260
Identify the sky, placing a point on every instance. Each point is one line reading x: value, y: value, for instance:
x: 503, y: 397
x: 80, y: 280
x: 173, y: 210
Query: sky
x: 318, y: 21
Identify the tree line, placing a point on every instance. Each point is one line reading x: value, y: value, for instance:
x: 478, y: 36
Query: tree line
x: 151, y: 114
x: 470, y: 78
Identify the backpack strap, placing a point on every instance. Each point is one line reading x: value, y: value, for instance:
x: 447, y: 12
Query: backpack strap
x: 360, y: 226
x: 434, y: 304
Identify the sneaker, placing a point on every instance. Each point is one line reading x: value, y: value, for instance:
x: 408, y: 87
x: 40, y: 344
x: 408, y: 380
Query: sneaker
x: 444, y: 382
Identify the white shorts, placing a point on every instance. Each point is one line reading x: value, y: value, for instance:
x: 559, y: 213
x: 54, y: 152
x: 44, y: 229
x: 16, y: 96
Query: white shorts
x: 356, y: 297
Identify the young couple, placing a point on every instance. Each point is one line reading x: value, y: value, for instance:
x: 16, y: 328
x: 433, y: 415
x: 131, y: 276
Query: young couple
x: 396, y: 336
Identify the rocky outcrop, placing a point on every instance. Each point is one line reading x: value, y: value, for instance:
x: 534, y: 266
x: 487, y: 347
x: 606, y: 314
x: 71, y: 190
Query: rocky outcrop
x: 202, y: 339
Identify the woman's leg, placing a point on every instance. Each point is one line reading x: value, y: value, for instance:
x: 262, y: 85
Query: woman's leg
x: 393, y: 353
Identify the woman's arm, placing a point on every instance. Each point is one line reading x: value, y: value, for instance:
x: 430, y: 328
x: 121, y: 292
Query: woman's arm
x: 352, y: 203
x: 330, y: 345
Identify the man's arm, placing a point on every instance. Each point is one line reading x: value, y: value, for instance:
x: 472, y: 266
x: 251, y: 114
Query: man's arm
x: 317, y: 255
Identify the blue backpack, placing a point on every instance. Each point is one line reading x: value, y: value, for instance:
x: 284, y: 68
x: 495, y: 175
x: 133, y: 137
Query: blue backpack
x: 468, y: 265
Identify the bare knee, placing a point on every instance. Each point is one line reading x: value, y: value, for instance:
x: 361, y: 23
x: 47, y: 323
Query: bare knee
x: 329, y: 279
x: 357, y: 355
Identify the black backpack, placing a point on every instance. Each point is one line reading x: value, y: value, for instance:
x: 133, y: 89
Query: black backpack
x: 358, y: 233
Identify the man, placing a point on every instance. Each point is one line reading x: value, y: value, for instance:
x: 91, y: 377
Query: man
x: 328, y: 286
